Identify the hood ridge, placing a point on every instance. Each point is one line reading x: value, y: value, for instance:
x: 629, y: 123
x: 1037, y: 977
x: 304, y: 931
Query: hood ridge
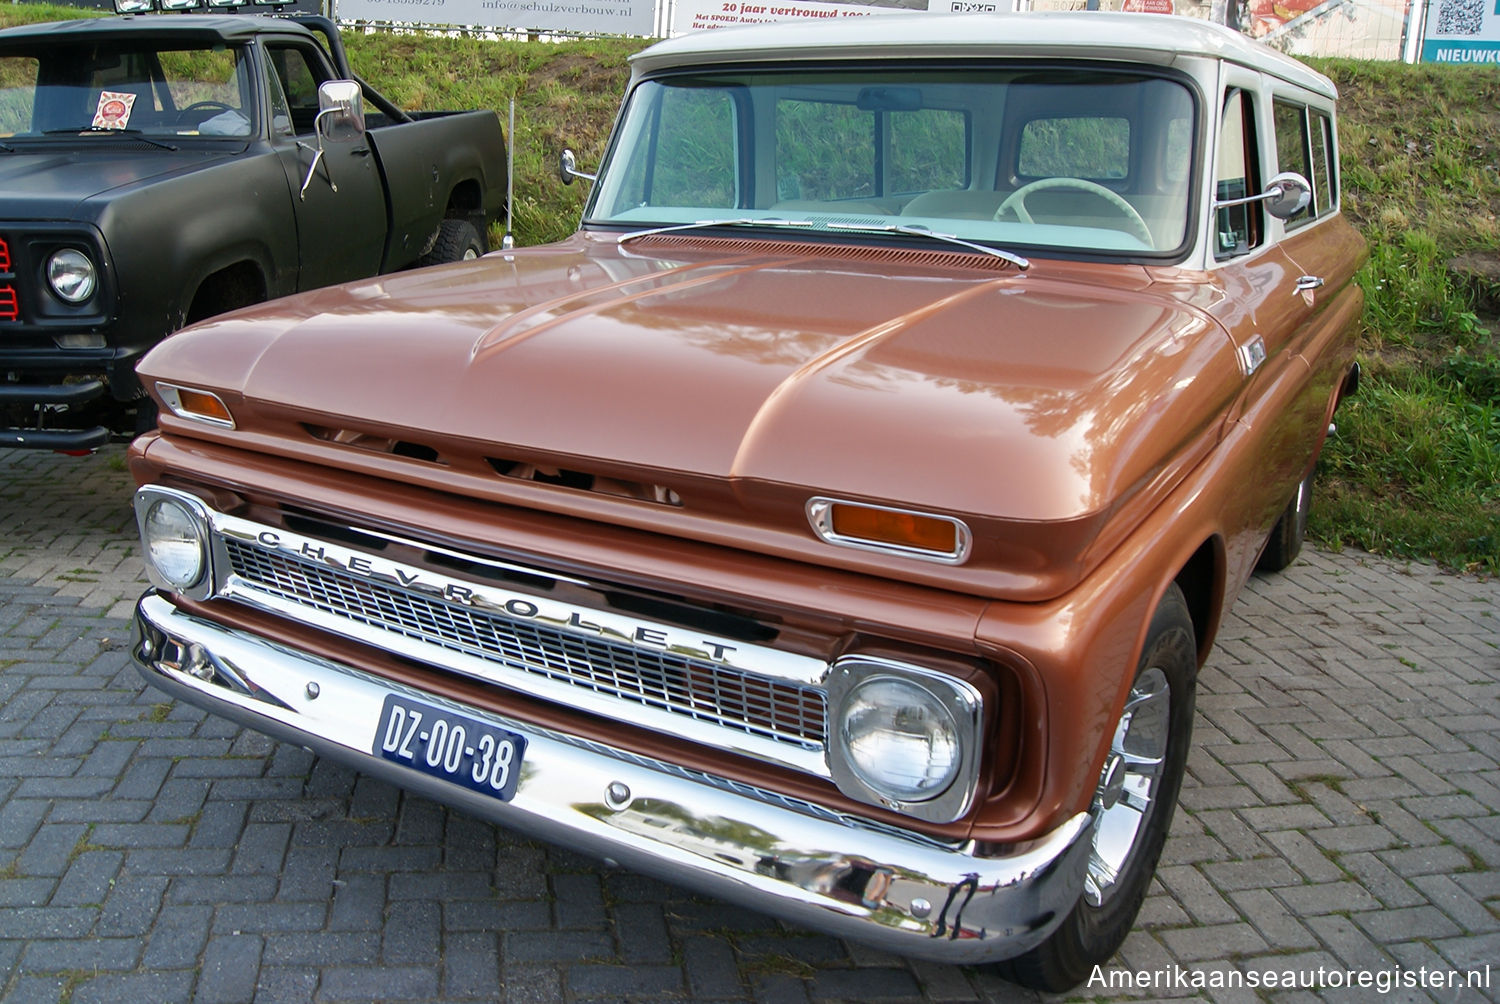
x: 539, y: 317
x: 858, y: 343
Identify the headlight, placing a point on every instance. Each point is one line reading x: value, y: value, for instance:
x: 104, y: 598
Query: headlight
x: 900, y: 739
x: 72, y: 275
x: 904, y: 737
x: 174, y: 542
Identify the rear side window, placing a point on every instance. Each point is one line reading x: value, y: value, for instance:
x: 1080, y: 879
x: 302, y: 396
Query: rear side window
x: 1304, y: 143
x: 1324, y: 163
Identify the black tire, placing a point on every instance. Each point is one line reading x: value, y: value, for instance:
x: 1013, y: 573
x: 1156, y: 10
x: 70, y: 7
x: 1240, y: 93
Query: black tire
x: 1285, y: 542
x: 1093, y: 931
x: 457, y: 240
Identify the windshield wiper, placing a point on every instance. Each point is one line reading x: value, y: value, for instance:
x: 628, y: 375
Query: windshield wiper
x: 900, y: 228
x: 132, y: 133
x: 770, y: 221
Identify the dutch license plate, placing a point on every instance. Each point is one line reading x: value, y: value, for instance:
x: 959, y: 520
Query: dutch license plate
x: 453, y: 747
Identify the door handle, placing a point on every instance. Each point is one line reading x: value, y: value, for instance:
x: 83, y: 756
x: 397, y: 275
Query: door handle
x: 1308, y: 283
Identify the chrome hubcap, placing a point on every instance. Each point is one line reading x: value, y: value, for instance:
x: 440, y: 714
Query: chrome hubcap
x: 1129, y: 783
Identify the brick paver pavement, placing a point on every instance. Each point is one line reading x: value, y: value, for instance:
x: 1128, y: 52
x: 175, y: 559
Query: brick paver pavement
x: 1342, y: 812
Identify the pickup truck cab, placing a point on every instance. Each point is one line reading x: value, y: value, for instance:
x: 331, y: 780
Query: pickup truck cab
x: 838, y: 522
x: 157, y: 170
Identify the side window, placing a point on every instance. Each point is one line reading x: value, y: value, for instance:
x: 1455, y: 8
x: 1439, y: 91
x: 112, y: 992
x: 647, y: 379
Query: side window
x: 690, y: 157
x: 1325, y: 165
x: 824, y: 151
x: 1076, y: 147
x: 300, y: 75
x: 281, y: 112
x: 1294, y: 153
x: 1238, y: 229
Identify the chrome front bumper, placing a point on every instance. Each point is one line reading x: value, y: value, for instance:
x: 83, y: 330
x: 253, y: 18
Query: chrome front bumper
x: 847, y: 876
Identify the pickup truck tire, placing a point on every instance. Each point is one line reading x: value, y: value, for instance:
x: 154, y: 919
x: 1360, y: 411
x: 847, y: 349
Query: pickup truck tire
x: 1285, y: 542
x: 457, y: 240
x: 1132, y: 808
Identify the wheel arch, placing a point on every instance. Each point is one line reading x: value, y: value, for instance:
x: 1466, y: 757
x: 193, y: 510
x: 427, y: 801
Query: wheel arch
x: 1202, y: 581
x: 237, y: 284
x: 466, y: 202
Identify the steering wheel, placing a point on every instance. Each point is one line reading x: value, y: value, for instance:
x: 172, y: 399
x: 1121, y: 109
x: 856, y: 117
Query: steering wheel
x: 203, y: 106
x: 1017, y: 201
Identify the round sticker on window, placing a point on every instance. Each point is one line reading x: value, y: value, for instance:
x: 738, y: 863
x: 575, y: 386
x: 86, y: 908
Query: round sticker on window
x: 113, y: 111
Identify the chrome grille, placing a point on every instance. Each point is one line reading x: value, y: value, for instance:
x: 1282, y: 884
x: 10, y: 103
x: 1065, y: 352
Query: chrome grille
x: 694, y: 688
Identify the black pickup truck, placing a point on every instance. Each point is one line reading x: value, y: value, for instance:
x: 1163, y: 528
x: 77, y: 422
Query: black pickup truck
x: 156, y: 170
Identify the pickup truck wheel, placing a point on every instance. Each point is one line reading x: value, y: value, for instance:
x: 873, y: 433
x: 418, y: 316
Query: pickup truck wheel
x: 1132, y: 807
x: 1286, y: 536
x: 457, y: 240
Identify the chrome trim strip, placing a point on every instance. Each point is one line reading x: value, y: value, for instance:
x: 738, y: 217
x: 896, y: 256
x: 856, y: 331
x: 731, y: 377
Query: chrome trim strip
x: 820, y: 516
x: 900, y: 892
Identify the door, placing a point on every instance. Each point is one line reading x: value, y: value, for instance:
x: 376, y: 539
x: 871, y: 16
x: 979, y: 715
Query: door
x: 341, y: 216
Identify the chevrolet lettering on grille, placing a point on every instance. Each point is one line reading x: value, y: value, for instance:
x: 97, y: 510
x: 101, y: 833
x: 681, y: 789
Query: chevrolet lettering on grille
x: 513, y: 606
x: 737, y: 695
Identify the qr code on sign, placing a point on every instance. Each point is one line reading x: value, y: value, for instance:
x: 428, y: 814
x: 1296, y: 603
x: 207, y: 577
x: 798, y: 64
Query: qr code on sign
x: 1460, y: 17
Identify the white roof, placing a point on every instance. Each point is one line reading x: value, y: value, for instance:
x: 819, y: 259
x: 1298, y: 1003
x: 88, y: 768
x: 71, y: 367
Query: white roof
x: 1148, y: 38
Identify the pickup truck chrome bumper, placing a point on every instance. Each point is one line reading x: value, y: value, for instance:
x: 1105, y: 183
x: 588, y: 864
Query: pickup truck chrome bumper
x: 847, y: 876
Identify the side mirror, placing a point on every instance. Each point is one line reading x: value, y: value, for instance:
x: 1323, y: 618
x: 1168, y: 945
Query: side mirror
x: 341, y: 112
x: 1287, y: 195
x: 567, y: 169
x: 341, y: 119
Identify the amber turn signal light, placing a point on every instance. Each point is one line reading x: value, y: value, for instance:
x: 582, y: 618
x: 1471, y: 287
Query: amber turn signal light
x: 897, y: 531
x: 199, y: 405
x: 906, y: 529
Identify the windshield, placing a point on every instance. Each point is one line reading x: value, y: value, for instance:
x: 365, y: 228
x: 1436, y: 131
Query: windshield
x: 1076, y: 159
x: 119, y: 88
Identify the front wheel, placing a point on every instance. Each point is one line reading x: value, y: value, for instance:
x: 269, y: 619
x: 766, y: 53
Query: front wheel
x: 1132, y: 807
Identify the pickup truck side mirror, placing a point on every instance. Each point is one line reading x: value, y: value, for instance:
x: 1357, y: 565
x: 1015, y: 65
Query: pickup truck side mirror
x: 341, y: 112
x: 341, y: 119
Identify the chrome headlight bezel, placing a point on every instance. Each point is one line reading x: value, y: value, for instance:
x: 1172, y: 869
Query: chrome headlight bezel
x: 961, y: 705
x: 192, y: 515
x: 72, y: 276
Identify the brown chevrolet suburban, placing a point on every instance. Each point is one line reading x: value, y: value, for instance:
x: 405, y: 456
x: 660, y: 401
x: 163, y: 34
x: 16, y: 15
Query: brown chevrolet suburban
x: 837, y: 522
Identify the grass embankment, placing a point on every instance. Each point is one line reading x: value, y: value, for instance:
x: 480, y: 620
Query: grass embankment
x: 1415, y: 468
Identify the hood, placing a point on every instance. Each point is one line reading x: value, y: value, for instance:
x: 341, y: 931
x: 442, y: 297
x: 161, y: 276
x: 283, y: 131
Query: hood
x: 52, y: 184
x: 929, y: 381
